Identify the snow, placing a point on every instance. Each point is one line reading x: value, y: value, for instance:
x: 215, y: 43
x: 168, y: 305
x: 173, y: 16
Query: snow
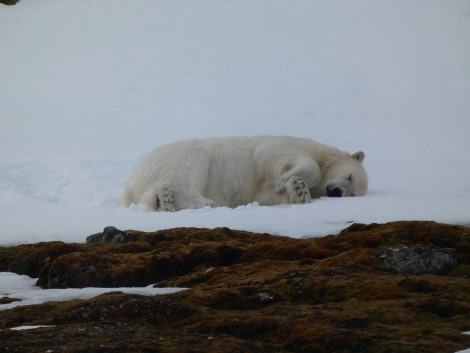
x: 25, y: 289
x: 29, y: 327
x: 88, y: 88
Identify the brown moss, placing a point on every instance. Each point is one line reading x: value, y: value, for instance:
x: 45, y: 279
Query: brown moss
x: 316, y: 252
x: 30, y: 259
x: 8, y: 300
x: 249, y: 293
x: 413, y: 232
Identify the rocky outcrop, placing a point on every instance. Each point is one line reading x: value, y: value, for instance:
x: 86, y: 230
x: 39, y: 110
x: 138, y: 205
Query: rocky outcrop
x: 252, y: 292
x: 419, y: 260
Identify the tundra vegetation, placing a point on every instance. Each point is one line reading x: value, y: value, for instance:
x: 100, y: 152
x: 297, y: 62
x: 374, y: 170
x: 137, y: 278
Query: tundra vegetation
x: 251, y: 292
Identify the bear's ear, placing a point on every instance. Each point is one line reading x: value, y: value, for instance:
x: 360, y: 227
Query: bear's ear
x: 359, y: 155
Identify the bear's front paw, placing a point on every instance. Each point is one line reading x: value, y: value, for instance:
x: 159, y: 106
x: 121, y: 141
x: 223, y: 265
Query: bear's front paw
x: 297, y: 190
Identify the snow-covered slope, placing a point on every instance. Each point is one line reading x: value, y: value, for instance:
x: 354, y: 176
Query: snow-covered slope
x: 87, y: 88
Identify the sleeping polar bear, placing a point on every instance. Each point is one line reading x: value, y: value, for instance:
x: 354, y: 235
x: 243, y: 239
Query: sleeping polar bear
x: 270, y: 170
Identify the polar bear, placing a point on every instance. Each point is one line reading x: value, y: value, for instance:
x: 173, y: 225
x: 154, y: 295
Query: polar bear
x: 234, y: 171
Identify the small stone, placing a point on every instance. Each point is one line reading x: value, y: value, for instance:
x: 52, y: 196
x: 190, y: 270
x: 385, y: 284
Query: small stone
x: 265, y: 297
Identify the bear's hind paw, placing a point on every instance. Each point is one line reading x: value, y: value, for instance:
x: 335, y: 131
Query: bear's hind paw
x: 167, y: 201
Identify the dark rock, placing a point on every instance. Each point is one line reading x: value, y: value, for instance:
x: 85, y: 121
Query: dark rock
x: 110, y: 234
x: 9, y: 2
x: 419, y: 260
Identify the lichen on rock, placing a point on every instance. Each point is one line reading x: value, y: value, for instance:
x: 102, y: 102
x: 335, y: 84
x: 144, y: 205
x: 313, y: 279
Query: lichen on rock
x: 419, y: 260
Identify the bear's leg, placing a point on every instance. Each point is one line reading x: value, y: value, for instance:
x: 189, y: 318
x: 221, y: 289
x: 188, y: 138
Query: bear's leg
x: 293, y: 190
x: 296, y: 180
x: 192, y: 178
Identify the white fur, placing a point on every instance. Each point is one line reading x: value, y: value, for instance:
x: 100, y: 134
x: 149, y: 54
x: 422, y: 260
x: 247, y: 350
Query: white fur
x: 236, y: 171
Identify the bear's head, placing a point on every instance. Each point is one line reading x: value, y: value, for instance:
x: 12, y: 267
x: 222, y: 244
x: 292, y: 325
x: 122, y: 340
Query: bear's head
x: 343, y: 175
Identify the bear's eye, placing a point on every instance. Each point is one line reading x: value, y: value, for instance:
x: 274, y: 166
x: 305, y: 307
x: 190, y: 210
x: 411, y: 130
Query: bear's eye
x: 350, y: 178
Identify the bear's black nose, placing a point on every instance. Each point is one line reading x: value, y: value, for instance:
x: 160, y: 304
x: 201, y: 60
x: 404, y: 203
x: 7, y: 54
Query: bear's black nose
x: 334, y: 191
